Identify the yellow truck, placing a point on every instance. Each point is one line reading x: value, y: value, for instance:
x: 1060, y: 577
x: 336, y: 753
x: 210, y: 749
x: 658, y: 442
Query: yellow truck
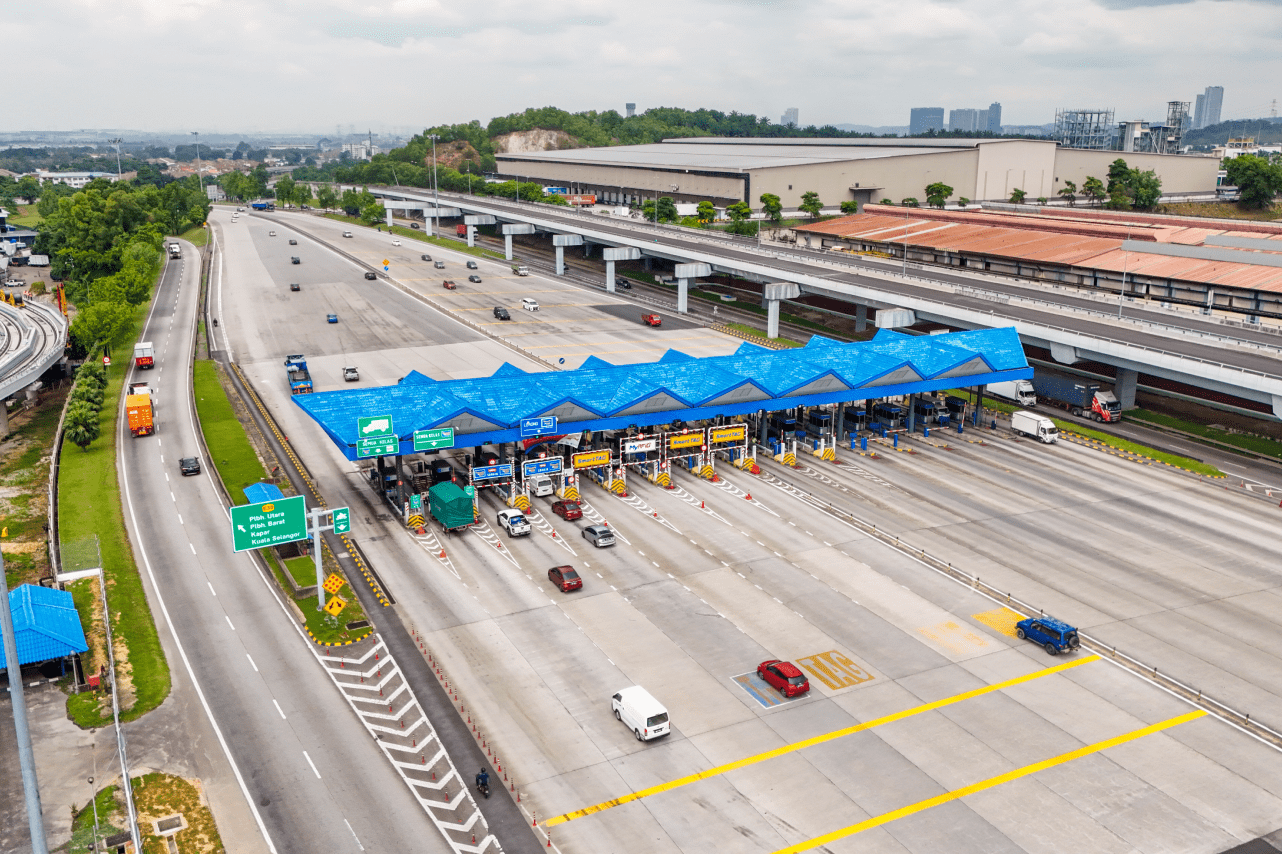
x: 142, y: 417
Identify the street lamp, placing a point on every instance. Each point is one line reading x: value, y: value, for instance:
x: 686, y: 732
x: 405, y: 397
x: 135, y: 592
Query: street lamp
x: 93, y: 799
x: 199, y: 183
x: 436, y: 190
x: 116, y: 142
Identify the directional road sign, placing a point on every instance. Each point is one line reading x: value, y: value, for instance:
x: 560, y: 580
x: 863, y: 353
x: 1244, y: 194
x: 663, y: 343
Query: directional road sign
x: 271, y: 523
x: 542, y: 426
x: 498, y: 472
x: 380, y: 446
x: 416, y: 501
x: 434, y: 439
x: 335, y: 606
x: 530, y: 468
x: 342, y: 520
x: 374, y: 426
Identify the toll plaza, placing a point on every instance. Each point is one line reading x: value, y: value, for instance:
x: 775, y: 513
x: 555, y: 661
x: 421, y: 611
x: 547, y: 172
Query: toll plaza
x: 603, y: 423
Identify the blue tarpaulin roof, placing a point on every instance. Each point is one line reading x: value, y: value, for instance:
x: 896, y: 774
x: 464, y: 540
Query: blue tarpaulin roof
x: 602, y: 396
x: 259, y: 492
x: 45, y: 624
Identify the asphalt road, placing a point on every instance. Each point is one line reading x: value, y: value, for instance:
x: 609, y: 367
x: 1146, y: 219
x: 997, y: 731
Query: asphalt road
x: 705, y: 583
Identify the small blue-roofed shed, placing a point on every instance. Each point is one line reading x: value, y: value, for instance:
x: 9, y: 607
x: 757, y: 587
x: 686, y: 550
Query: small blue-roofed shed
x: 45, y: 623
x: 258, y: 493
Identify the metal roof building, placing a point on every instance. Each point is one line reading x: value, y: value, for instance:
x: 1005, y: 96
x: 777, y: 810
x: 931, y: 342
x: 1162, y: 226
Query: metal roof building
x: 45, y: 623
x: 602, y: 396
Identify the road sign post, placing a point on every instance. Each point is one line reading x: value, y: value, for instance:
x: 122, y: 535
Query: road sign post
x: 375, y: 437
x: 340, y: 523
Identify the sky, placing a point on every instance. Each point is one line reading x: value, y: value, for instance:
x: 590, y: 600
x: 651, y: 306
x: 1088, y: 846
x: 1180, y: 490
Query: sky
x: 276, y: 66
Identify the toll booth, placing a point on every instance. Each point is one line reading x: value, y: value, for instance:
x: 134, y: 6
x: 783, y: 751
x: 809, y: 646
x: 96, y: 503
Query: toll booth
x: 642, y: 453
x: 784, y: 427
x: 498, y: 475
x: 855, y: 417
x: 596, y: 465
x: 686, y: 449
x: 889, y: 416
x: 926, y: 411
x: 729, y: 441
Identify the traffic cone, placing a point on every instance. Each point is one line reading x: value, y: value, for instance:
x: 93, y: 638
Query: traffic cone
x: 748, y: 495
x: 702, y: 506
x: 442, y: 555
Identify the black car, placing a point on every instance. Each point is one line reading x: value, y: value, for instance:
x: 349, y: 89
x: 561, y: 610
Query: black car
x: 293, y: 242
x: 621, y: 282
x: 295, y: 260
x: 501, y: 313
x: 369, y: 274
x: 426, y: 257
x: 471, y: 265
x: 189, y: 465
x: 293, y: 286
x: 474, y: 278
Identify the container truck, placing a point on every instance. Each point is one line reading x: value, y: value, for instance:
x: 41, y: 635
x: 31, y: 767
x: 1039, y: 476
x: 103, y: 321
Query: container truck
x: 1037, y: 426
x: 300, y: 379
x: 142, y: 418
x: 144, y: 355
x: 460, y: 230
x: 1077, y: 396
x: 1020, y: 391
x: 450, y: 506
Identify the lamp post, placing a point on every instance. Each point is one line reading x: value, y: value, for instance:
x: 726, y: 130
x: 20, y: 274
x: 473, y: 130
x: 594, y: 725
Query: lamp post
x: 436, y: 190
x: 93, y: 799
x: 199, y: 184
x: 116, y: 142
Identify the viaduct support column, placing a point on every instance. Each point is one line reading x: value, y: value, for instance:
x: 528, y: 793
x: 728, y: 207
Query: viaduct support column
x: 684, y: 273
x: 472, y: 221
x: 511, y: 228
x: 861, y: 318
x: 560, y: 241
x: 612, y: 254
x: 389, y: 219
x: 1125, y: 387
x: 771, y: 294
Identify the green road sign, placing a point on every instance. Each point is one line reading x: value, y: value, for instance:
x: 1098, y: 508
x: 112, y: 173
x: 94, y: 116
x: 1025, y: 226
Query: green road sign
x: 342, y: 520
x: 416, y: 501
x: 381, y: 446
x: 374, y: 426
x: 431, y: 440
x: 271, y: 523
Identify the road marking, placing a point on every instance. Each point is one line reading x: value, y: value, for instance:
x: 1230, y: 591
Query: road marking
x: 991, y: 782
x: 166, y: 473
x: 180, y: 518
x: 251, y: 663
x: 171, y: 498
x: 193, y: 548
x: 354, y: 836
x: 818, y: 739
x: 279, y: 709
x: 211, y: 588
x: 313, y: 764
x: 233, y: 628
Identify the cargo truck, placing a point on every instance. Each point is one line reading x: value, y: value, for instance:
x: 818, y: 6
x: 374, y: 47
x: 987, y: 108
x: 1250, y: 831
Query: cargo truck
x: 450, y: 506
x: 1020, y: 391
x: 1037, y: 426
x: 175, y: 250
x: 144, y: 355
x: 142, y: 418
x: 1077, y: 396
x: 460, y: 230
x: 520, y: 269
x: 300, y: 379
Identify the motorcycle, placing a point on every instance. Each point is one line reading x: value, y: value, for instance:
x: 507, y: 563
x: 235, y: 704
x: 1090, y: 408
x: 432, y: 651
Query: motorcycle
x: 484, y: 789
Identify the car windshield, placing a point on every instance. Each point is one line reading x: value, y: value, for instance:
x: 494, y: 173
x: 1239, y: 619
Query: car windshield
x: 655, y: 720
x: 796, y: 680
x: 569, y: 574
x: 571, y: 505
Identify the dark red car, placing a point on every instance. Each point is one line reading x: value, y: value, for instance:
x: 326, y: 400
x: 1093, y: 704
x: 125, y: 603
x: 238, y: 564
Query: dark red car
x: 784, y: 676
x: 566, y: 578
x: 567, y: 510
x: 449, y: 285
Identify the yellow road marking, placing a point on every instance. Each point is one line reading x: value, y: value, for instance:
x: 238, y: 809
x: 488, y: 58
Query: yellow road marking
x: 956, y: 794
x: 811, y: 742
x: 999, y: 619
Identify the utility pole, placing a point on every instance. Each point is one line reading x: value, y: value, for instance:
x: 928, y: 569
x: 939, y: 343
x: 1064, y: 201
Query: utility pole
x: 116, y: 142
x: 436, y: 190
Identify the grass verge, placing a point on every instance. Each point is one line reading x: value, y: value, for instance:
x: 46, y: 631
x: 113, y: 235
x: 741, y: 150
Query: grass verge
x: 198, y: 236
x: 156, y: 796
x: 27, y: 217
x: 757, y: 333
x: 415, y: 234
x: 1258, y: 444
x: 89, y: 505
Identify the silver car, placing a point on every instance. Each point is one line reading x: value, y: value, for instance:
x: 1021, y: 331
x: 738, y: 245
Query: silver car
x: 599, y: 535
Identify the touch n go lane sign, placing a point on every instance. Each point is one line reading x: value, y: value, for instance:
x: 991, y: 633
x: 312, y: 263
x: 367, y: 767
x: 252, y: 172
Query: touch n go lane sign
x: 271, y: 523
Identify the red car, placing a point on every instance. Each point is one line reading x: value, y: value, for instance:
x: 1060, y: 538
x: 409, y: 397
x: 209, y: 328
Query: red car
x: 567, y: 510
x: 566, y: 578
x: 448, y: 285
x: 784, y: 676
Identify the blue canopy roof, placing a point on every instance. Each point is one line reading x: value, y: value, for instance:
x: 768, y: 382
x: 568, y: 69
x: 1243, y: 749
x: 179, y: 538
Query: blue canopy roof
x: 257, y: 493
x: 45, y: 623
x: 602, y: 396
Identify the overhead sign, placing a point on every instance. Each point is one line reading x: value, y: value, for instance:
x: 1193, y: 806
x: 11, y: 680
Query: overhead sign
x: 689, y: 440
x: 342, y: 520
x: 380, y: 446
x: 540, y: 426
x: 434, y: 439
x: 733, y: 433
x: 374, y: 426
x: 639, y: 446
x: 498, y: 472
x: 591, y: 459
x: 530, y: 468
x: 270, y: 523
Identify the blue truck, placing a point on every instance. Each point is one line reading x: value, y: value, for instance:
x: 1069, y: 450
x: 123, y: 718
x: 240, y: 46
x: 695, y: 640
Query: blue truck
x: 1077, y: 396
x: 263, y: 206
x: 300, y: 379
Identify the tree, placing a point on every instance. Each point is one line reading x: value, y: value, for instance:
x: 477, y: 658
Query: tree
x: 739, y: 213
x: 667, y: 209
x: 772, y: 207
x: 1258, y: 181
x: 937, y: 194
x: 1144, y: 188
x: 1118, y: 173
x: 850, y: 207
x: 1068, y: 192
x: 1093, y: 189
x: 1041, y: 200
x: 82, y: 426
x: 1117, y: 199
x: 910, y: 202
x: 810, y: 203
x: 885, y: 202
x: 963, y: 201
x: 326, y: 197
x: 285, y: 190
x: 707, y: 212
x: 28, y: 187
x: 303, y: 193
x: 1017, y: 196
x: 373, y: 212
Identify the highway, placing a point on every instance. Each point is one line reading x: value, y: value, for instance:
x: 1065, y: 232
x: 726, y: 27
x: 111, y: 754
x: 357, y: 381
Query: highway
x: 32, y: 338
x: 931, y: 727
x: 290, y: 768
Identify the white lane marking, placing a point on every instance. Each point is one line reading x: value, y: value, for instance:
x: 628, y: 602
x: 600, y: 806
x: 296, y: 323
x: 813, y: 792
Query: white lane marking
x: 193, y: 548
x: 228, y: 619
x: 180, y: 518
x: 171, y: 498
x: 311, y: 763
x: 279, y: 709
x: 251, y: 662
x: 354, y: 836
x: 211, y: 588
x: 166, y: 473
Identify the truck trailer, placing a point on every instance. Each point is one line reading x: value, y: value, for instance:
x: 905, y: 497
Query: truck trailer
x: 300, y: 379
x: 1020, y: 391
x: 520, y: 270
x: 1077, y: 396
x: 142, y: 418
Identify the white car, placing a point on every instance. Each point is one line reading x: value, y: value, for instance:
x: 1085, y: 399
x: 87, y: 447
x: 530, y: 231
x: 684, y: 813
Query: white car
x: 271, y: 234
x: 530, y: 304
x: 541, y: 486
x: 396, y: 243
x: 514, y: 522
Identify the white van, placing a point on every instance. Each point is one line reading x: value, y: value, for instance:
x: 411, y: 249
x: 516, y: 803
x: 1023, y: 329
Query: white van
x: 641, y: 713
x: 1037, y: 426
x: 541, y: 486
x: 530, y: 304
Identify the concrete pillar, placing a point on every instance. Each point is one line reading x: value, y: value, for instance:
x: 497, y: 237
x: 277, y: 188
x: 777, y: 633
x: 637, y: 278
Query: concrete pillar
x: 560, y: 261
x: 471, y: 235
x: 912, y: 413
x: 861, y: 318
x: 772, y: 318
x: 609, y: 277
x: 389, y: 218
x: 772, y: 293
x: 4, y: 418
x: 507, y: 246
x: 648, y: 262
x: 587, y: 250
x: 1124, y: 387
x: 683, y: 293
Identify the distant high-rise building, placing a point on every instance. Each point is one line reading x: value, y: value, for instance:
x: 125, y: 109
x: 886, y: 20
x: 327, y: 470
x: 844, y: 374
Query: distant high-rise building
x: 1211, y: 108
x: 789, y: 117
x: 632, y: 109
x: 1199, y: 111
x: 922, y: 119
x: 981, y: 120
x: 994, y: 117
x: 963, y: 119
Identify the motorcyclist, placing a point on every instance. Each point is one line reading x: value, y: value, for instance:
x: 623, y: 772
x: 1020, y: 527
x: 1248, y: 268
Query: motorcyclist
x: 482, y: 779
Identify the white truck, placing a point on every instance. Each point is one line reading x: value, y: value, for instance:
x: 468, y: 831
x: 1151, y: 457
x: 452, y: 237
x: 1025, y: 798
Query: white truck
x: 520, y: 269
x: 175, y: 250
x: 1036, y: 426
x: 1020, y: 391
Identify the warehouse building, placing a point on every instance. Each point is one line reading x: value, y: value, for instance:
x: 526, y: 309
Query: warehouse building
x: 725, y: 171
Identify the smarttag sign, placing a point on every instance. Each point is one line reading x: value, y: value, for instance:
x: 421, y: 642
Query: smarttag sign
x: 271, y: 523
x: 530, y: 468
x: 541, y: 426
x: 591, y: 459
x: 733, y: 433
x: 690, y: 440
x: 434, y: 439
